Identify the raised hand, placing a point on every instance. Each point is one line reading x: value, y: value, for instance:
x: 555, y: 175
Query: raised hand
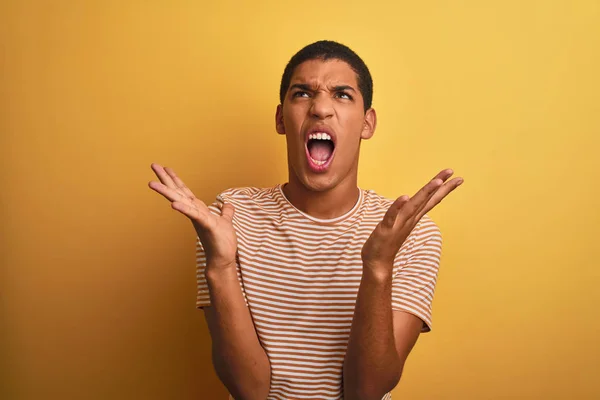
x: 379, y: 251
x: 215, y: 232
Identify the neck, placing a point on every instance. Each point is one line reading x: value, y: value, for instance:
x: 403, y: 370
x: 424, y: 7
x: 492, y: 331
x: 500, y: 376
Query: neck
x: 327, y: 204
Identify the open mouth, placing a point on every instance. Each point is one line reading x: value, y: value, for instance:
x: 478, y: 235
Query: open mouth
x: 320, y: 149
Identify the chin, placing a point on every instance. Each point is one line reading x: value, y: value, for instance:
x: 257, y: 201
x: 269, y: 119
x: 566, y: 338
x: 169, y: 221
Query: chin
x: 319, y: 183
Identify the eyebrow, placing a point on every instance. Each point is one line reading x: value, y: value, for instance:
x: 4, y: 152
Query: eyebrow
x: 304, y: 86
x: 342, y: 88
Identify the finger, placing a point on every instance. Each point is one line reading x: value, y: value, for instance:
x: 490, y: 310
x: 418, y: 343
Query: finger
x: 162, y: 174
x: 192, y: 212
x: 179, y: 183
x: 389, y: 219
x: 227, y: 211
x: 441, y: 194
x: 419, y: 200
x: 169, y: 193
x: 443, y: 176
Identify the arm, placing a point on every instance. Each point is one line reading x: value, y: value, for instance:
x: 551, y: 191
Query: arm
x: 381, y: 339
x: 240, y: 361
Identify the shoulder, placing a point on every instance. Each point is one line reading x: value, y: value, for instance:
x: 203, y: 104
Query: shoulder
x: 238, y: 194
x: 374, y: 204
x: 427, y: 228
x: 424, y: 242
x: 250, y: 199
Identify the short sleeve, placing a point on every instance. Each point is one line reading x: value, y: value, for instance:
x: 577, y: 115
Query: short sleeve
x: 203, y: 295
x: 416, y: 271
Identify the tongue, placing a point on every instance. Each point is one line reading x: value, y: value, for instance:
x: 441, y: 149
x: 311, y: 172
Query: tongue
x: 320, y: 150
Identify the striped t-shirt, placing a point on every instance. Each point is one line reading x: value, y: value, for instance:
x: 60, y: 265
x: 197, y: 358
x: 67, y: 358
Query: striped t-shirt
x: 300, y: 277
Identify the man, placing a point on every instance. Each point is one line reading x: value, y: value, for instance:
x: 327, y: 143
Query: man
x: 315, y: 289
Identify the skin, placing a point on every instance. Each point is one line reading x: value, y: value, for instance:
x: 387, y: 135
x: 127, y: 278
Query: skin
x: 330, y: 194
x: 238, y: 358
x: 380, y: 338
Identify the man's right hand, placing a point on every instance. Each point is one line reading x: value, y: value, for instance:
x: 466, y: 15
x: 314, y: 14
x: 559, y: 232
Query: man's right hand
x: 216, y: 233
x: 239, y: 359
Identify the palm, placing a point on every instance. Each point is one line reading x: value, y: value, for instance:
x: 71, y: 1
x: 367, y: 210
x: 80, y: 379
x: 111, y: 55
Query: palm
x: 403, y: 215
x: 216, y: 232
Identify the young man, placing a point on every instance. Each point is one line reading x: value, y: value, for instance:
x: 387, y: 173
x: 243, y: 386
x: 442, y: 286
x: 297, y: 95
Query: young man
x: 315, y: 289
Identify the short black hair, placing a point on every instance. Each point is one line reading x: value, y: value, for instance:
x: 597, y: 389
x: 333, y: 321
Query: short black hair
x: 327, y: 50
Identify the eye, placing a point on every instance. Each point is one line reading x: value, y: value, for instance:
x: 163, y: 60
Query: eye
x: 300, y: 93
x: 343, y: 95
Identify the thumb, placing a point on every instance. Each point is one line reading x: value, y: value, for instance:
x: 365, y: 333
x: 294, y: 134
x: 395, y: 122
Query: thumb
x: 389, y: 219
x: 227, y: 212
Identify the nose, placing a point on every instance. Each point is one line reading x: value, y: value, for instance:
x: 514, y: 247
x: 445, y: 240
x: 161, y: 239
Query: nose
x: 322, y: 106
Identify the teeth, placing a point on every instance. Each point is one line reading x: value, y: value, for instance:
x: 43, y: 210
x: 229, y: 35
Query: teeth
x: 319, y: 136
x: 317, y: 162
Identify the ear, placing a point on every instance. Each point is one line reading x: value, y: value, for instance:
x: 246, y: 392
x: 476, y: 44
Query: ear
x: 370, y: 124
x: 279, y: 120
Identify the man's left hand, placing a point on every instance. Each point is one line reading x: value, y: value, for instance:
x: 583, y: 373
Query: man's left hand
x: 379, y: 251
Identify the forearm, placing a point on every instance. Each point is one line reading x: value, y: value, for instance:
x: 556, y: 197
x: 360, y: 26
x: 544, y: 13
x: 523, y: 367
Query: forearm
x: 240, y: 361
x: 372, y: 366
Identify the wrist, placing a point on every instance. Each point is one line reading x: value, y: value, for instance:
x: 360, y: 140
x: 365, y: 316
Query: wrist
x: 219, y: 271
x: 377, y: 270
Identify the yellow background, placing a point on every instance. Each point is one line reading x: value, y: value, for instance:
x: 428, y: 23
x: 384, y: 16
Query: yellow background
x: 97, y: 280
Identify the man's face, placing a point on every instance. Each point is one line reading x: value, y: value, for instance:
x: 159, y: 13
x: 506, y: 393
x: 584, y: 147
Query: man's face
x: 324, y: 121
